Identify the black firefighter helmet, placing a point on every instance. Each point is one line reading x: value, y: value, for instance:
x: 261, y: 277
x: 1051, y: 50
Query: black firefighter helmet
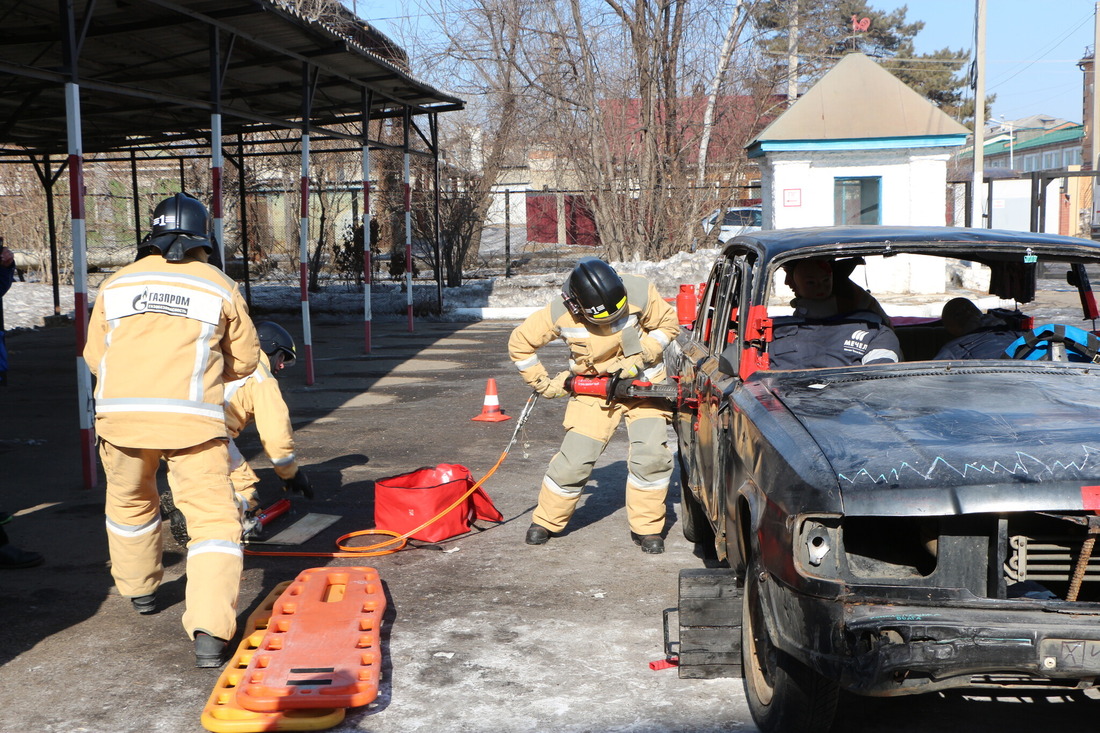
x: 180, y: 224
x: 595, y: 292
x: 273, y: 339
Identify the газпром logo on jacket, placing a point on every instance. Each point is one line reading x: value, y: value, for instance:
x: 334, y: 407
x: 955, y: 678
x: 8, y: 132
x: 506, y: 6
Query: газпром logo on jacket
x: 157, y: 301
x: 122, y: 301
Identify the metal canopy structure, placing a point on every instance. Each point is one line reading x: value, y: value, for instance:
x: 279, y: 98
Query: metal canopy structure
x: 152, y: 72
x: 98, y: 76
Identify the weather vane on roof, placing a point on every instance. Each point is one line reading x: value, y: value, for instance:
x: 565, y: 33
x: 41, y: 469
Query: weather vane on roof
x: 860, y: 25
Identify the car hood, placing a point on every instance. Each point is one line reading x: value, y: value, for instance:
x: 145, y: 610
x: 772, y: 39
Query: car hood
x: 955, y: 441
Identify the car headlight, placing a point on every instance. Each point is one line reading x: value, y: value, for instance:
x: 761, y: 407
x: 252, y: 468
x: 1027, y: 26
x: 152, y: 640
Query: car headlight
x: 817, y: 544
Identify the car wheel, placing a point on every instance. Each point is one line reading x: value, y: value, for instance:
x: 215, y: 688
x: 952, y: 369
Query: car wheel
x: 693, y: 520
x: 784, y: 695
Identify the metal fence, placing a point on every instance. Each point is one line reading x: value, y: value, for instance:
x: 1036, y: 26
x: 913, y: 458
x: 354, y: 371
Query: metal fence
x: 261, y: 218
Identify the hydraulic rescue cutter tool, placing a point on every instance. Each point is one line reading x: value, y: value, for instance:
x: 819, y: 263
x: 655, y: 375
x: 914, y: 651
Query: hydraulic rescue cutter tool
x: 253, y: 526
x: 617, y: 387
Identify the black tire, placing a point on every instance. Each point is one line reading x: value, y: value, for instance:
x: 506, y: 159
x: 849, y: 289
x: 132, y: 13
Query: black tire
x: 784, y: 695
x: 693, y: 520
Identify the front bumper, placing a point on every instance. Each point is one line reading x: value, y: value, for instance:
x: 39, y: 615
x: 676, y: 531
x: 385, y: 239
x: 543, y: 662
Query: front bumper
x: 896, y: 648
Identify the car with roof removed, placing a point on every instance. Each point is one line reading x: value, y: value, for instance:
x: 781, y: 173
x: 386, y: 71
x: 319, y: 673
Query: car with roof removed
x: 904, y: 525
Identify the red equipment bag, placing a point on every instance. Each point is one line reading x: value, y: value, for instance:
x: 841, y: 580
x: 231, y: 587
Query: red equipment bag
x: 405, y: 502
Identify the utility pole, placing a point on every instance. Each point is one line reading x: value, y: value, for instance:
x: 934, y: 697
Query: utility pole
x: 977, y: 198
x: 1011, y: 130
x: 1011, y: 147
x: 792, y: 54
x: 507, y: 232
x: 1095, y: 97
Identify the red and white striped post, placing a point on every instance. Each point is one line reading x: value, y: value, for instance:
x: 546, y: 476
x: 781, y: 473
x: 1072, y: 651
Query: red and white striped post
x: 80, y: 282
x: 408, y: 238
x: 367, y: 254
x: 303, y: 255
x: 216, y: 167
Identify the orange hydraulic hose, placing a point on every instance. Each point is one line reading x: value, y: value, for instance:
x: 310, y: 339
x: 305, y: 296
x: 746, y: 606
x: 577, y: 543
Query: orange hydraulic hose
x: 400, y: 540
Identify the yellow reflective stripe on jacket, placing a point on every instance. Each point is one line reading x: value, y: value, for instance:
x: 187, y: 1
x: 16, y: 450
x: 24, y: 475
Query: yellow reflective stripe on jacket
x: 159, y: 404
x: 176, y: 278
x: 232, y: 387
x: 660, y: 337
x: 527, y: 363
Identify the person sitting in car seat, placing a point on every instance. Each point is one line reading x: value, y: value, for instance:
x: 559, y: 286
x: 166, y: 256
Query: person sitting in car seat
x: 976, y: 335
x: 824, y: 288
x: 831, y: 326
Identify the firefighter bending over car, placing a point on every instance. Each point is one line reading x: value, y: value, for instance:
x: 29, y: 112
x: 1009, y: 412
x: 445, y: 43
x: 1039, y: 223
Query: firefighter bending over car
x: 166, y: 334
x: 613, y: 326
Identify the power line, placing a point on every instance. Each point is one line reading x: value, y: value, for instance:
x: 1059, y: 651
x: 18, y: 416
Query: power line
x: 1050, y: 48
x: 880, y: 59
x: 1057, y: 93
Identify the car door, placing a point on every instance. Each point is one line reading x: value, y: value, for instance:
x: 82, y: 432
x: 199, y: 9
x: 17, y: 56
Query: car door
x: 711, y: 384
x: 695, y: 349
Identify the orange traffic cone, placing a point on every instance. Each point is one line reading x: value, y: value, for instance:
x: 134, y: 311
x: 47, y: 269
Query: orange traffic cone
x: 490, y: 409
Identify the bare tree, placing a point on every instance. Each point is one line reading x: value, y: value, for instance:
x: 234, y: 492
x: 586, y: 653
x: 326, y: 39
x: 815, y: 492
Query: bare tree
x: 23, y: 222
x: 729, y: 44
x: 482, y: 60
x: 612, y: 97
x: 624, y: 123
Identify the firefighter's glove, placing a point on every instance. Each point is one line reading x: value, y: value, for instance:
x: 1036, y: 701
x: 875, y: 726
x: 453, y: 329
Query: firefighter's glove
x: 552, y: 388
x: 299, y: 484
x: 627, y: 367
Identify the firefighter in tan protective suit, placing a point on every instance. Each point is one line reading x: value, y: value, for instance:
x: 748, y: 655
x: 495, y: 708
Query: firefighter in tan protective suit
x: 611, y: 324
x: 165, y: 335
x: 257, y: 398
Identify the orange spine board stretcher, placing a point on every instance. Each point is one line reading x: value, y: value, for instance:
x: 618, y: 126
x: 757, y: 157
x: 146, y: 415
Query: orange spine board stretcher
x: 222, y: 714
x: 323, y: 645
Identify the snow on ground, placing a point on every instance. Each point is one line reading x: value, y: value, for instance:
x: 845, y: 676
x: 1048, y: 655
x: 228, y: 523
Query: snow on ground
x: 28, y: 304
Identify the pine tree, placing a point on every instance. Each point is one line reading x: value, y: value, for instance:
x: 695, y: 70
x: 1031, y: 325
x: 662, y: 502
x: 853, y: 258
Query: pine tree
x: 828, y: 29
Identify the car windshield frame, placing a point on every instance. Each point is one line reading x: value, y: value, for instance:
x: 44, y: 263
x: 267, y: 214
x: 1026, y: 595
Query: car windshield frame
x: 766, y: 288
x: 992, y: 252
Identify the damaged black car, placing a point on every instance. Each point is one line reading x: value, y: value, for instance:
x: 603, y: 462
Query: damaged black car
x: 892, y: 437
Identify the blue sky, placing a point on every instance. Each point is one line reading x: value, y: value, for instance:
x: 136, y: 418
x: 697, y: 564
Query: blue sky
x: 392, y: 17
x: 1032, y: 48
